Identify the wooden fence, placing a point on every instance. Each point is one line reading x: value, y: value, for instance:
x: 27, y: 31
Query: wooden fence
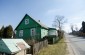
x: 38, y: 46
x: 35, y: 48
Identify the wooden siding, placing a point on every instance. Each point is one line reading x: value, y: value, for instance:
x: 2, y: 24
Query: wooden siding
x: 31, y: 24
x: 44, y: 32
x: 40, y: 31
x: 26, y: 29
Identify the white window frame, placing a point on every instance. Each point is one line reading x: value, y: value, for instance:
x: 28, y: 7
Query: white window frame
x: 33, y: 31
x: 21, y: 33
x: 26, y: 21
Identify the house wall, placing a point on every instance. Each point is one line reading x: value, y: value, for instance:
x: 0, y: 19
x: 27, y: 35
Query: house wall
x: 27, y: 33
x: 22, y: 52
x: 38, y: 33
x: 44, y: 32
x: 52, y: 32
x: 26, y: 29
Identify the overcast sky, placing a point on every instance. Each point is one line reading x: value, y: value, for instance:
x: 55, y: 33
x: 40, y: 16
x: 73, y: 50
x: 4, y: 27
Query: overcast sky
x: 12, y: 11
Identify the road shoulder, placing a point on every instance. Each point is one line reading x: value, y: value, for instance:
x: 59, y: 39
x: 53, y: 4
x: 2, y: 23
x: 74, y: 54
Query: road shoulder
x: 70, y: 49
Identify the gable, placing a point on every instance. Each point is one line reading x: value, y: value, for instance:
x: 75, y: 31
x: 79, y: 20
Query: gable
x: 3, y: 47
x: 31, y: 23
x: 24, y: 25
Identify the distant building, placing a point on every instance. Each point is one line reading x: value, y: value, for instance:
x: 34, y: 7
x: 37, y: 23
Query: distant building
x: 13, y: 47
x: 52, y: 31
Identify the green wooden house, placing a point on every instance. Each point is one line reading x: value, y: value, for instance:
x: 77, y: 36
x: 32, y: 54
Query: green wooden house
x: 29, y: 28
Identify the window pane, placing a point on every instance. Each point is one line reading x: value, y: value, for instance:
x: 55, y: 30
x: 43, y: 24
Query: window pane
x: 33, y: 32
x: 26, y: 21
x: 20, y: 33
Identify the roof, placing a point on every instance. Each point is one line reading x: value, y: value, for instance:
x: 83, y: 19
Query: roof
x: 52, y: 29
x: 42, y: 25
x: 12, y: 46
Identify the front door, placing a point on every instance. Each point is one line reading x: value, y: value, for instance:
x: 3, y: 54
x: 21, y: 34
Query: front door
x: 33, y: 32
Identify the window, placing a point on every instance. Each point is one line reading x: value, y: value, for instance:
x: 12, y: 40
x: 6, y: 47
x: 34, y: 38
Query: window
x: 33, y: 33
x: 20, y: 33
x: 15, y: 31
x: 26, y: 21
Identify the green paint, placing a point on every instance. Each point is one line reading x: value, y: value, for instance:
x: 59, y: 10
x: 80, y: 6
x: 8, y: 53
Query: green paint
x: 40, y: 30
x: 44, y: 32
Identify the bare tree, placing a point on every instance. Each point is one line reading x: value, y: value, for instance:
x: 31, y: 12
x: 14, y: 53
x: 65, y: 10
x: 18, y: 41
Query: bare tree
x: 59, y: 21
x: 76, y: 28
x: 72, y: 28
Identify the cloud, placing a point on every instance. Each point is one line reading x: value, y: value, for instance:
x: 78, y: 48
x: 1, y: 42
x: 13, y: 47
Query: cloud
x: 53, y: 11
x: 78, y: 17
x: 67, y: 27
x: 66, y: 8
x: 73, y: 10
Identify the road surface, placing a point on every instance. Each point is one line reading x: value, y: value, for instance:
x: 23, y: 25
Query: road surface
x: 77, y: 43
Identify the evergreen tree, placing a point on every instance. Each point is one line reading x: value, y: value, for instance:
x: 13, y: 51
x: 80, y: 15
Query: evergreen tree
x: 83, y: 27
x: 1, y: 31
x: 8, y: 32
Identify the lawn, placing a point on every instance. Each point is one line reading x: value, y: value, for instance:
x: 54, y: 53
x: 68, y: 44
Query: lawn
x: 55, y: 49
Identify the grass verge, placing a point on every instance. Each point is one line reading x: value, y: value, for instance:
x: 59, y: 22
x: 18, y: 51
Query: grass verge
x: 55, y: 49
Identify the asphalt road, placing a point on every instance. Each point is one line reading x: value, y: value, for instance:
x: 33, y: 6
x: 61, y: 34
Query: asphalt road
x: 77, y: 43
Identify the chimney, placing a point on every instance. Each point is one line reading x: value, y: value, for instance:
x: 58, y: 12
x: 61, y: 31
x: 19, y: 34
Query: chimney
x: 38, y: 20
